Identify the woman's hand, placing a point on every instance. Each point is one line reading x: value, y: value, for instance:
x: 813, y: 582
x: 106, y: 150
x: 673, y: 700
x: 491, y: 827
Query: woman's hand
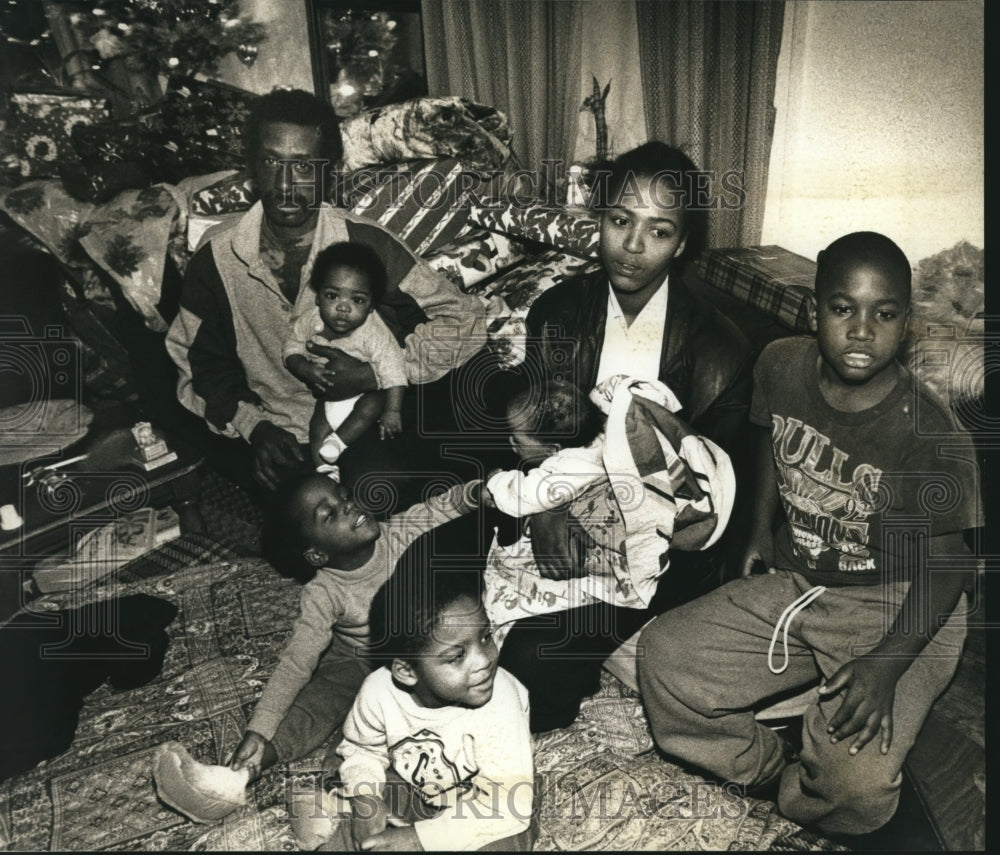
x: 558, y: 545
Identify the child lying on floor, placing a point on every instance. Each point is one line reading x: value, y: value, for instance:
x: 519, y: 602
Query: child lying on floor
x: 323, y: 531
x: 436, y: 750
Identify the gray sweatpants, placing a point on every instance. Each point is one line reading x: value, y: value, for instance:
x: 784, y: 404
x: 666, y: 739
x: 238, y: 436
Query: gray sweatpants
x: 323, y: 704
x: 703, y: 667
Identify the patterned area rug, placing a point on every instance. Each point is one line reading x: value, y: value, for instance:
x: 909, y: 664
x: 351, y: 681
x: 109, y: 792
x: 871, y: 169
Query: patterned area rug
x: 230, y: 513
x: 602, y: 787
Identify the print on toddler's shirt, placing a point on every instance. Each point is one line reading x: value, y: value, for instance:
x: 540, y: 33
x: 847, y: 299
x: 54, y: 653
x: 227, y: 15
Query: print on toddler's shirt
x: 825, y: 511
x: 421, y: 760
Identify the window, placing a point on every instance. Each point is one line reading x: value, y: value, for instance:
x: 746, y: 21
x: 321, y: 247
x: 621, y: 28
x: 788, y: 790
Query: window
x: 366, y: 52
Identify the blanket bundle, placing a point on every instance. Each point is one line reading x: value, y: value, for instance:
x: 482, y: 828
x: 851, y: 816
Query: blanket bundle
x: 665, y: 488
x: 675, y: 488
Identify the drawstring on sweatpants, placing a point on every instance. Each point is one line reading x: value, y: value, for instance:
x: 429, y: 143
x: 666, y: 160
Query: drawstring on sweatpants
x: 787, y: 616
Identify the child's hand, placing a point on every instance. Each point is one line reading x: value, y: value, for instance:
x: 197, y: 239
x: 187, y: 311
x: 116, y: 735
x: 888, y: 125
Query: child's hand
x: 866, y: 709
x: 759, y: 551
x: 249, y: 754
x: 369, y: 816
x: 390, y: 425
x: 394, y: 840
x: 485, y: 496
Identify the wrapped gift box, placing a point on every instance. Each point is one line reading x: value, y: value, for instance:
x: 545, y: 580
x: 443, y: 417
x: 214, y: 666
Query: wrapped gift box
x: 41, y: 126
x: 202, y: 123
x: 102, y: 551
x: 769, y: 278
x: 571, y: 230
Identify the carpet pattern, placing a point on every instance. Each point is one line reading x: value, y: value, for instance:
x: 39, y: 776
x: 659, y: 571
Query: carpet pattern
x: 602, y: 786
x: 230, y: 513
x: 184, y: 551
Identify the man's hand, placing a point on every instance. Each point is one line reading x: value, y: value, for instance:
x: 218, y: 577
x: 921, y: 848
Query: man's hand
x: 274, y: 449
x: 318, y: 377
x: 558, y: 545
x: 870, y: 683
x: 249, y: 754
x: 353, y: 377
x: 394, y: 840
x: 390, y: 424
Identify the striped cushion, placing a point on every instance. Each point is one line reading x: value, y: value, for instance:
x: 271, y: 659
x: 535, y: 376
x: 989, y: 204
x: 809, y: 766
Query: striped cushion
x: 423, y: 203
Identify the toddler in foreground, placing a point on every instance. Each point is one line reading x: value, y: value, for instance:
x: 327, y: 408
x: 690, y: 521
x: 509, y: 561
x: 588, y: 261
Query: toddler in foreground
x: 436, y: 750
x: 625, y: 491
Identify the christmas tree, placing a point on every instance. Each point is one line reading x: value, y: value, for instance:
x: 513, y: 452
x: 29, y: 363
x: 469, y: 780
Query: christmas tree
x: 167, y: 36
x: 151, y: 36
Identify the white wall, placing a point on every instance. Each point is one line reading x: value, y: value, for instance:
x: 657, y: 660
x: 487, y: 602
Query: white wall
x: 879, y: 125
x: 611, y: 54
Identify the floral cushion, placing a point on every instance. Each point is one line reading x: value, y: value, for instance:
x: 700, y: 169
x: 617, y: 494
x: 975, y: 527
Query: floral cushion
x: 946, y: 346
x: 510, y: 295
x: 41, y: 125
x: 127, y: 237
x: 575, y: 232
x: 475, y: 256
x: 427, y: 128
